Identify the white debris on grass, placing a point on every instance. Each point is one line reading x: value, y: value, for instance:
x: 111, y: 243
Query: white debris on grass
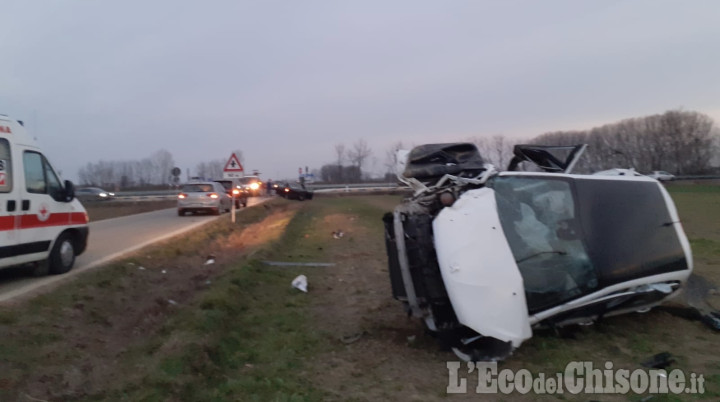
x: 300, y: 282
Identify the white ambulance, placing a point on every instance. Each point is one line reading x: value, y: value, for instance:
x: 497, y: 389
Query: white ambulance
x: 41, y: 222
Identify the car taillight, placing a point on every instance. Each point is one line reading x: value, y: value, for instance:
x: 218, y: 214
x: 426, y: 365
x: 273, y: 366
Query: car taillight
x: 287, y: 190
x: 236, y: 191
x: 213, y: 195
x: 181, y: 195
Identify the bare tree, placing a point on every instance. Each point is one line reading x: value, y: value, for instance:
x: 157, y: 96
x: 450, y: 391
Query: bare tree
x: 163, y: 163
x: 339, y: 157
x: 497, y: 150
x: 211, y: 170
x: 339, y: 153
x: 359, y: 153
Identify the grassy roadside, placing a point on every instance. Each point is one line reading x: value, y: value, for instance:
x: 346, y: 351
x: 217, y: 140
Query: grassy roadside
x: 699, y: 210
x: 178, y: 329
x: 251, y: 336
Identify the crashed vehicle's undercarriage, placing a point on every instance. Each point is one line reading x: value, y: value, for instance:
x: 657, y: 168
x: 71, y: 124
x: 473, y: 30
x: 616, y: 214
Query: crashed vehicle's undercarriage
x: 483, y: 257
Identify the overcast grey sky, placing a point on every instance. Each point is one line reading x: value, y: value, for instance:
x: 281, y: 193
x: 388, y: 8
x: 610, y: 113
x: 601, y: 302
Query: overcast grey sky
x: 284, y: 81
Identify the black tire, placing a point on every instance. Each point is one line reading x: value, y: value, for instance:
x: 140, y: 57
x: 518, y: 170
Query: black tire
x: 62, y: 255
x: 215, y: 211
x: 181, y: 212
x: 244, y: 204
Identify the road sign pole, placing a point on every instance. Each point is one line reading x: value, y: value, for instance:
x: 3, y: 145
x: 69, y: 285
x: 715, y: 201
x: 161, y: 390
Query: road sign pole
x: 233, y: 207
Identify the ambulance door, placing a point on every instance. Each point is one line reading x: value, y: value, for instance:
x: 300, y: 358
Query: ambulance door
x: 42, y: 216
x: 9, y: 206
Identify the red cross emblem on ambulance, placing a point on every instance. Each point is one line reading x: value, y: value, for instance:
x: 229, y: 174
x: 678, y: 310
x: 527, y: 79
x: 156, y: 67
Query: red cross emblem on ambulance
x: 43, y: 212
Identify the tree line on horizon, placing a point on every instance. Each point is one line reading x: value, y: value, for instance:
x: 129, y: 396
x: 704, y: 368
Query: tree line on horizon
x: 680, y: 142
x: 154, y: 170
x: 677, y: 141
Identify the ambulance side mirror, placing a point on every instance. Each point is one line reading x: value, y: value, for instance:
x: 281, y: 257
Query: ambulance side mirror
x: 69, y: 191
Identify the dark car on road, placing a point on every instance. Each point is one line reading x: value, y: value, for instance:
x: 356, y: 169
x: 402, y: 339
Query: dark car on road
x: 293, y: 192
x: 235, y: 189
x: 251, y: 184
x: 93, y: 194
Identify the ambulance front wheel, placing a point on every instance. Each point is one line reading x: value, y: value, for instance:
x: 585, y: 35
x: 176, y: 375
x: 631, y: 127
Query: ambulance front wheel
x: 62, y: 256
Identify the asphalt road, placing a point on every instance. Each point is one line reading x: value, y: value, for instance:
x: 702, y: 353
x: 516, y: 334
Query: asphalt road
x: 109, y: 239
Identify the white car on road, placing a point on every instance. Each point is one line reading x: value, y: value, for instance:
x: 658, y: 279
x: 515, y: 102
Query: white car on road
x: 662, y: 175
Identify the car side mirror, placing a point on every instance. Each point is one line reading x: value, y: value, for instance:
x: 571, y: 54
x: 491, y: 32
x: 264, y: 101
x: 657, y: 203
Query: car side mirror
x: 69, y: 191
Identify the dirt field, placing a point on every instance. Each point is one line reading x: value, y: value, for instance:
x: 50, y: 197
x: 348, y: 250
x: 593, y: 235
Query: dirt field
x: 163, y: 326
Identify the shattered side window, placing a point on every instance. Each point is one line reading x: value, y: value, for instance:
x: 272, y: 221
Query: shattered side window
x: 540, y: 221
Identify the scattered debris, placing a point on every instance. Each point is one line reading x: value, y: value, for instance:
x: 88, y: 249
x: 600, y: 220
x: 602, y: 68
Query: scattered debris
x: 34, y: 399
x: 298, y: 264
x: 338, y: 234
x: 697, y: 296
x: 711, y: 319
x: 659, y: 361
x: 210, y: 260
x: 141, y: 268
x: 411, y: 339
x: 164, y: 271
x: 300, y: 282
x: 208, y: 282
x: 348, y: 339
x: 173, y: 302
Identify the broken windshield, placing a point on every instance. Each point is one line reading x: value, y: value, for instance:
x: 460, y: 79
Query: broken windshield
x: 539, y: 219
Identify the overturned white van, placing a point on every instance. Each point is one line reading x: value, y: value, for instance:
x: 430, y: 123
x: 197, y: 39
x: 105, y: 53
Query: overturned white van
x: 484, y: 257
x: 40, y: 220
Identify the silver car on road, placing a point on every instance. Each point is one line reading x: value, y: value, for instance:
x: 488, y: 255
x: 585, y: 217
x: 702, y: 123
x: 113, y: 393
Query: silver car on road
x: 208, y: 197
